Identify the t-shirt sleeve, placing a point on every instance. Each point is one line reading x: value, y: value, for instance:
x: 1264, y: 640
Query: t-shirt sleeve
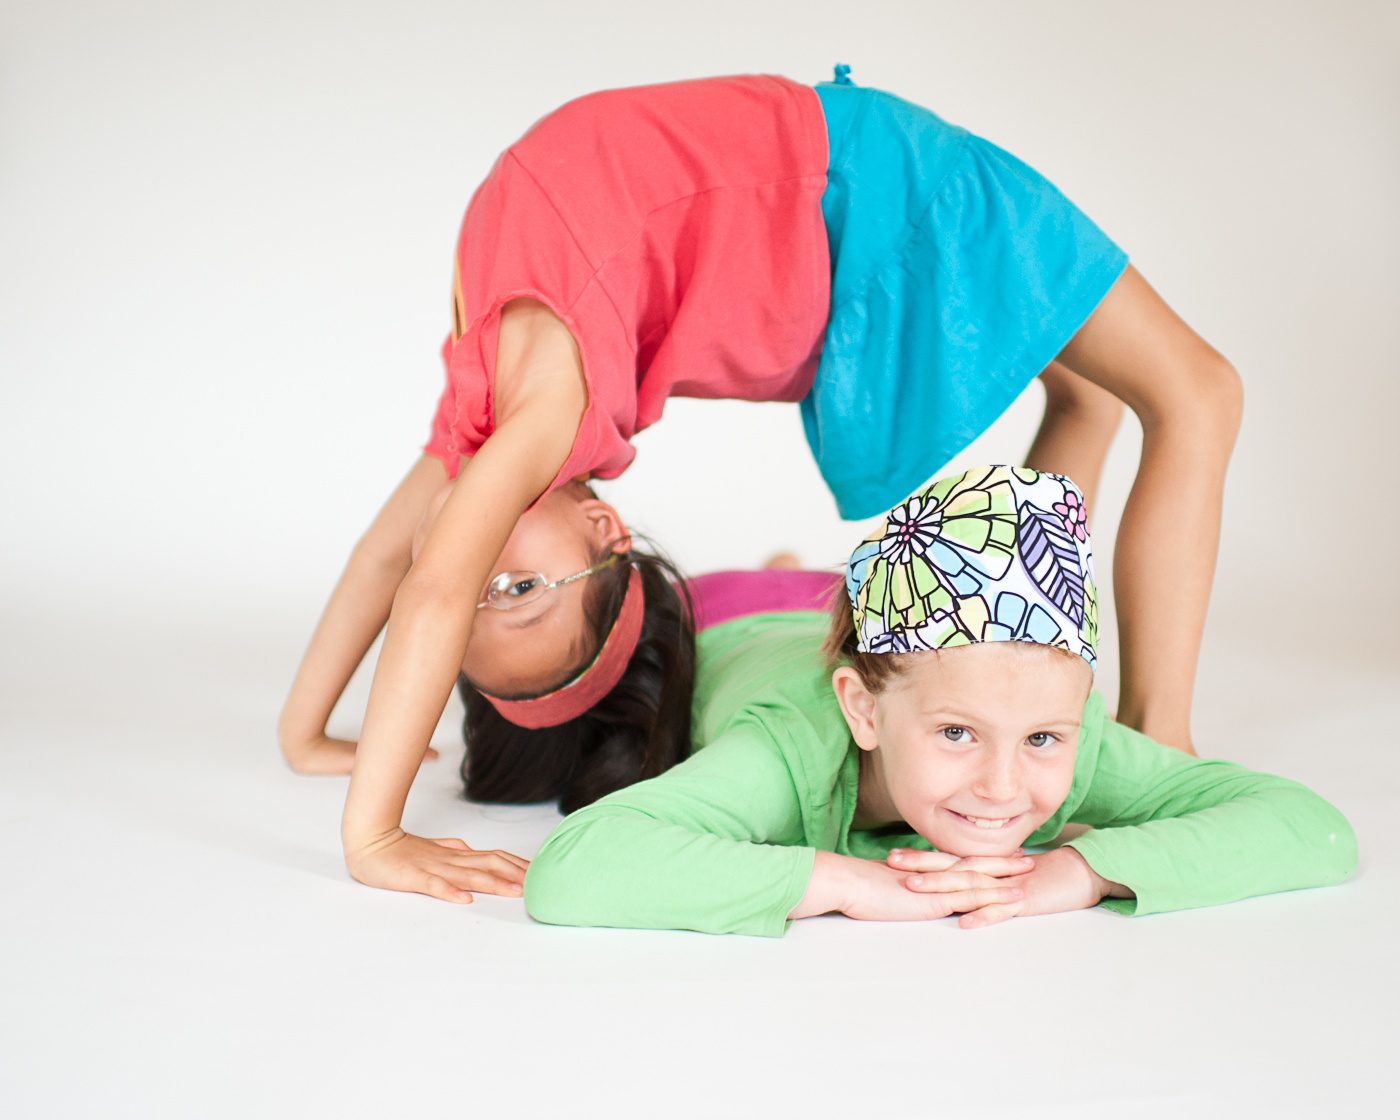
x: 440, y: 443
x: 710, y: 845
x: 1184, y: 832
x: 514, y: 244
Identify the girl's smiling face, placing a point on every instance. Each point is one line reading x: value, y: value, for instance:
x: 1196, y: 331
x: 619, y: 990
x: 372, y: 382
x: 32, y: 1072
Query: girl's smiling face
x: 973, y: 747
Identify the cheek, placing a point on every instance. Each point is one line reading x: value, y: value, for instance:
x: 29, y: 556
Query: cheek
x: 1050, y: 783
x: 920, y: 780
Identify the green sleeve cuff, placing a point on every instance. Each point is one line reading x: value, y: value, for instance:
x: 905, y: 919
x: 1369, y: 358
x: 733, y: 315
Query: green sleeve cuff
x: 796, y: 887
x: 1103, y: 864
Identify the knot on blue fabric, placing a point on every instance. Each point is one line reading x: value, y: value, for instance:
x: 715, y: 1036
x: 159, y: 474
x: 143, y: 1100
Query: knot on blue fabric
x: 843, y: 75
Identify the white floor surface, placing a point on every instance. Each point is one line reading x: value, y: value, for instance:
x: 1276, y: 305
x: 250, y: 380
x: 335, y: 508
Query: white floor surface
x: 179, y: 938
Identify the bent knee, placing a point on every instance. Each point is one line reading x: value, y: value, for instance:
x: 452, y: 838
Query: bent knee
x: 1204, y: 392
x: 1222, y: 392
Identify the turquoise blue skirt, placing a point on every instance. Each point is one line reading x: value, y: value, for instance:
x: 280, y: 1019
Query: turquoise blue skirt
x: 958, y: 273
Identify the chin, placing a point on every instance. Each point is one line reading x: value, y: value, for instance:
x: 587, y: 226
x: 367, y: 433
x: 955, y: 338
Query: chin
x: 996, y: 842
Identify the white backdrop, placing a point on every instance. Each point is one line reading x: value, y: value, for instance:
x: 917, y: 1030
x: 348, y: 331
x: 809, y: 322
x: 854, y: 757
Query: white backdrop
x: 226, y: 232
x: 225, y: 245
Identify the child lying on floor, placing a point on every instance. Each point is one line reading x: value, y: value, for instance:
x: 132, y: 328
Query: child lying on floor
x: 958, y: 725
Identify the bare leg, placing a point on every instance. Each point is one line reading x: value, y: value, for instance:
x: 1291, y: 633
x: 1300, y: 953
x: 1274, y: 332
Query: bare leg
x: 1079, y: 424
x: 1189, y: 400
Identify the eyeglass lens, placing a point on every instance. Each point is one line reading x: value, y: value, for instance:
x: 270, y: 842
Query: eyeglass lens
x: 515, y: 589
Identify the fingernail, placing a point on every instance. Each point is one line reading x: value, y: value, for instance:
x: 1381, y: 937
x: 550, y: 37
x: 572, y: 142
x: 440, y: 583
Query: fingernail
x: 1017, y: 891
x: 915, y: 880
x: 896, y: 853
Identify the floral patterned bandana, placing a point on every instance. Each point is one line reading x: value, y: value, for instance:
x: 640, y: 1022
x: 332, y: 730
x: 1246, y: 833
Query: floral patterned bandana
x: 997, y: 554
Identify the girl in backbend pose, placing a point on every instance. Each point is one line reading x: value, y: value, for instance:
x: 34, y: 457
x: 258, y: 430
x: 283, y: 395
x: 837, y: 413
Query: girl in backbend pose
x: 743, y: 237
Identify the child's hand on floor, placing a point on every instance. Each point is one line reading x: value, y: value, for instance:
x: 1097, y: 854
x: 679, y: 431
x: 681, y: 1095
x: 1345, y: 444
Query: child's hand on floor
x: 1059, y: 880
x: 324, y: 755
x: 874, y: 891
x: 445, y: 869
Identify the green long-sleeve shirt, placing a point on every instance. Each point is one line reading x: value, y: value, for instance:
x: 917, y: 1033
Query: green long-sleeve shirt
x: 724, y: 842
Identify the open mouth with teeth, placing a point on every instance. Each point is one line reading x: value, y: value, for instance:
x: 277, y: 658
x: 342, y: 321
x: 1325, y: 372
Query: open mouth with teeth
x: 985, y: 822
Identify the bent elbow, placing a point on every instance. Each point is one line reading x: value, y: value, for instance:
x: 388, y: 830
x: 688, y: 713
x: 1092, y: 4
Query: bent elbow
x: 556, y: 884
x: 1341, y: 846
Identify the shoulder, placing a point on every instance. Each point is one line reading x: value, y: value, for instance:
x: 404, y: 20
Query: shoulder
x: 766, y: 674
x: 771, y: 660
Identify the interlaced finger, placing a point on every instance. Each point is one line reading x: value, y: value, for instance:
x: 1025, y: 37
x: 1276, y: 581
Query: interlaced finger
x: 977, y: 898
x: 996, y: 865
x: 989, y: 915
x: 949, y: 882
x: 916, y: 859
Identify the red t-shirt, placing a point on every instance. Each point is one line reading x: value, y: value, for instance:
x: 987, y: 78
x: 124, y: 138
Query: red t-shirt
x: 676, y: 230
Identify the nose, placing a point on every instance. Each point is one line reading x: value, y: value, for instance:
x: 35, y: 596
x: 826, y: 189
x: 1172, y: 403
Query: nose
x: 998, y: 779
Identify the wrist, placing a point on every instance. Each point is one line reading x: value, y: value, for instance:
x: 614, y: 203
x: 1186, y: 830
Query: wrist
x: 828, y: 888
x: 1095, y: 887
x: 361, y: 844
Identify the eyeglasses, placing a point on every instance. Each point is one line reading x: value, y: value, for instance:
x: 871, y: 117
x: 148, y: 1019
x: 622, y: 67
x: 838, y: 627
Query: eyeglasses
x: 510, y: 590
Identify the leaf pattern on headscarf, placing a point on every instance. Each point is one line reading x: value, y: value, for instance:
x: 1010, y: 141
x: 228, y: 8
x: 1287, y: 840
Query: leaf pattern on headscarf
x: 1052, y: 561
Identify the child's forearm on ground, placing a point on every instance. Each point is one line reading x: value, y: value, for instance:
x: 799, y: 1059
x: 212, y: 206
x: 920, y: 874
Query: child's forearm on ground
x: 828, y: 888
x: 1271, y: 835
x: 356, y: 612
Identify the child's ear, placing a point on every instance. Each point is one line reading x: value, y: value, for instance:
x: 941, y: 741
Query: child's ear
x: 857, y: 705
x: 605, y: 527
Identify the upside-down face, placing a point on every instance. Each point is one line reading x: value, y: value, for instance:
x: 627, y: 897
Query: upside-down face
x: 536, y: 647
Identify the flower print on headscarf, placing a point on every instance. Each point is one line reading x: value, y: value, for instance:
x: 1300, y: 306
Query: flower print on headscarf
x: 993, y: 554
x: 1074, y: 515
x: 939, y: 547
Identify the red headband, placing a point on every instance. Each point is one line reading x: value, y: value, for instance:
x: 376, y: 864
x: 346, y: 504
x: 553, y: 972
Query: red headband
x: 595, y: 682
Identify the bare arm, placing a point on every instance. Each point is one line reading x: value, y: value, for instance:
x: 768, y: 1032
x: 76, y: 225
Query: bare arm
x: 1079, y: 424
x: 540, y: 398
x: 357, y: 611
x: 1189, y: 400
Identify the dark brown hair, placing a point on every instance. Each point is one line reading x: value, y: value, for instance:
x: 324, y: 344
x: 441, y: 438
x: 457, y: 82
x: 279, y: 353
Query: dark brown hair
x: 640, y: 729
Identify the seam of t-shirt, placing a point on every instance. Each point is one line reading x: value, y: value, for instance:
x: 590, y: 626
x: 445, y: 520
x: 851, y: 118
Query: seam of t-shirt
x: 646, y: 219
x: 913, y: 225
x: 553, y: 206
